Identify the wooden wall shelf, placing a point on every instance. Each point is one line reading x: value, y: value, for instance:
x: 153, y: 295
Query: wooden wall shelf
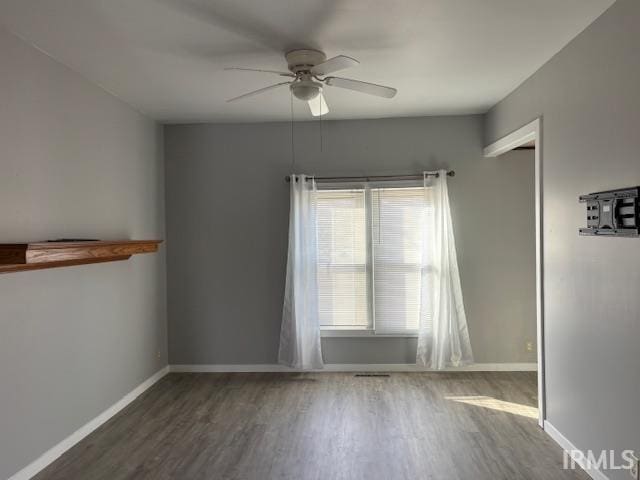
x: 19, y: 257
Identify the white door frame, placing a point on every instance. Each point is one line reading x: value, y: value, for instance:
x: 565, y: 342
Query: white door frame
x: 531, y: 132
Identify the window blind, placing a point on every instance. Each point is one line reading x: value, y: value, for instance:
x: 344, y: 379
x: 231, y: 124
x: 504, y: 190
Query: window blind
x: 342, y: 259
x: 397, y: 229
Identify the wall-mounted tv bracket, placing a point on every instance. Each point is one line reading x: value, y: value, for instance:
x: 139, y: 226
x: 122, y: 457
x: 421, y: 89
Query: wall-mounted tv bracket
x: 613, y: 213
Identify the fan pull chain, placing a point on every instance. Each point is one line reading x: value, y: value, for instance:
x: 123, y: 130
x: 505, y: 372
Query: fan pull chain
x: 320, y: 109
x: 293, y: 150
x: 379, y: 226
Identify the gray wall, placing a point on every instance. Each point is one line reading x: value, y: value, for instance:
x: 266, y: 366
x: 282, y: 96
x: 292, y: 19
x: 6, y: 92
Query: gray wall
x: 227, y: 214
x: 589, y: 98
x: 74, y: 162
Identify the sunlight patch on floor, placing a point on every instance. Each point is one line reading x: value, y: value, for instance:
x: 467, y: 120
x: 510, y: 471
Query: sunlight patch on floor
x: 495, y: 404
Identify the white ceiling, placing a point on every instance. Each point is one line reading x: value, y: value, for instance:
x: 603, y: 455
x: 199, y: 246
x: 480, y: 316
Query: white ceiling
x: 167, y: 57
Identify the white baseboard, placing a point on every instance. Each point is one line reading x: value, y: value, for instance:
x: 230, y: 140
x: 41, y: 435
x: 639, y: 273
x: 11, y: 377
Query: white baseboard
x: 567, y: 446
x: 357, y: 367
x: 53, y: 453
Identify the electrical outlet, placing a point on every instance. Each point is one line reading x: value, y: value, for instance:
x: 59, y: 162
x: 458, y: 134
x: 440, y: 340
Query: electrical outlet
x: 635, y: 469
x: 529, y: 346
x: 158, y: 354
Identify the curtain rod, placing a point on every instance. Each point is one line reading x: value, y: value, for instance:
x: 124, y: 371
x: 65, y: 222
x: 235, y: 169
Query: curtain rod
x: 450, y: 173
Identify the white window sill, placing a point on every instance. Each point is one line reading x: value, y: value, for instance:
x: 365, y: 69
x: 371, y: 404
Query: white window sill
x: 363, y: 334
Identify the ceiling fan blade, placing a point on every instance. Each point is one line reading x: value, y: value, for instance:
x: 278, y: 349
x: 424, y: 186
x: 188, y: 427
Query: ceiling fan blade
x: 334, y: 64
x: 364, y: 87
x: 318, y: 106
x: 257, y: 92
x: 277, y: 72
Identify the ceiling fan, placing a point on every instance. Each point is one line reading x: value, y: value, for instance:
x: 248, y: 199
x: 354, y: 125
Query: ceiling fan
x: 308, y: 70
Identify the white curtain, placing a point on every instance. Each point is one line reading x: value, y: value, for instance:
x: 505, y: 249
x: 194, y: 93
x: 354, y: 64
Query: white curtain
x: 300, y: 333
x: 443, y: 339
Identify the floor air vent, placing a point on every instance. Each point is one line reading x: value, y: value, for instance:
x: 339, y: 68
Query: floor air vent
x: 372, y: 375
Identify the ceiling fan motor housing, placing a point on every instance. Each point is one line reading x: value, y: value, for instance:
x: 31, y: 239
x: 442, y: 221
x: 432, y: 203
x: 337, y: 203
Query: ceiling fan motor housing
x: 303, y: 60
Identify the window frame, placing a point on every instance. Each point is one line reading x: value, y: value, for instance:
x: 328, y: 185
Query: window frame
x: 347, y: 331
x: 368, y: 332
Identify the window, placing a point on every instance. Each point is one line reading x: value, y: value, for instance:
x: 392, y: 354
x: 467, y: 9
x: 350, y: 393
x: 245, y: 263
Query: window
x: 343, y: 269
x: 369, y: 258
x: 397, y: 215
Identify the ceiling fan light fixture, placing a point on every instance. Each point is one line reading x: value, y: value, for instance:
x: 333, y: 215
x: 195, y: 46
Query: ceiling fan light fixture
x: 306, y: 89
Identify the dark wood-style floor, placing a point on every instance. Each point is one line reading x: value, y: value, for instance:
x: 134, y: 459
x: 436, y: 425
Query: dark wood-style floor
x: 439, y: 426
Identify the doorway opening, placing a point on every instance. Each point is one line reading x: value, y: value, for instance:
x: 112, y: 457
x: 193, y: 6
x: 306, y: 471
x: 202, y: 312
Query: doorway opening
x: 529, y: 138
